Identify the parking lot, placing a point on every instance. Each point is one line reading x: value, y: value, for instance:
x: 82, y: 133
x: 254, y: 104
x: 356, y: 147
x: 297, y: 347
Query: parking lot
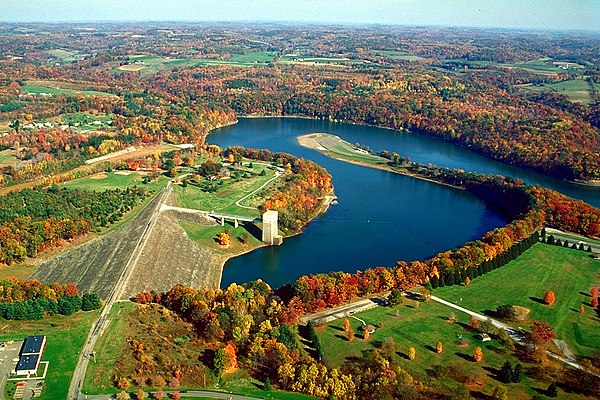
x: 9, y: 357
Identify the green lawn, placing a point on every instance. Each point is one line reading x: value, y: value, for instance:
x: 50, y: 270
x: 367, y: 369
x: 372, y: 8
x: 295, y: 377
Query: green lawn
x: 65, y: 337
x: 85, y: 119
x: 422, y: 327
x: 7, y: 157
x: 205, y: 237
x: 524, y: 282
x: 228, y: 192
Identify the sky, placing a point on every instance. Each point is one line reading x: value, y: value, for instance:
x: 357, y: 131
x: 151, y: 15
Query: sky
x: 519, y: 14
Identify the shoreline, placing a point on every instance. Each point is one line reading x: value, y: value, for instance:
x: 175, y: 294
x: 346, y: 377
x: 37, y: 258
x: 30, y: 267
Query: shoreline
x: 311, y: 143
x: 590, y: 184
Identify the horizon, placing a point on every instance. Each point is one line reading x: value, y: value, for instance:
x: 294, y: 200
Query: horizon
x: 535, y: 15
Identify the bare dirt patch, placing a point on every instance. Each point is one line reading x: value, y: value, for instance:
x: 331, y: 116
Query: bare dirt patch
x: 132, y: 68
x: 522, y: 312
x: 123, y: 173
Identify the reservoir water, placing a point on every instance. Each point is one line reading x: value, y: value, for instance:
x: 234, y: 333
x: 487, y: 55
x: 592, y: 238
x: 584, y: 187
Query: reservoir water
x: 381, y: 217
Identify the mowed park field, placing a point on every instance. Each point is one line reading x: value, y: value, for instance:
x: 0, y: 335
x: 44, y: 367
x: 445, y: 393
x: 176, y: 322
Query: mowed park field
x: 421, y: 324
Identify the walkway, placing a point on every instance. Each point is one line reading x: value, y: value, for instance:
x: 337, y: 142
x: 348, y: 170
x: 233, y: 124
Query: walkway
x: 573, y: 238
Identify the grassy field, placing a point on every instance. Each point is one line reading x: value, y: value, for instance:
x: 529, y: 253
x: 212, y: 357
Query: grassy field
x: 65, y: 337
x: 67, y: 55
x: 19, y: 271
x: 523, y: 282
x: 7, y: 157
x: 310, y: 60
x: 577, y: 90
x: 228, y: 192
x: 38, y: 90
x: 422, y: 327
x: 108, y: 350
x: 205, y: 237
x: 542, y: 66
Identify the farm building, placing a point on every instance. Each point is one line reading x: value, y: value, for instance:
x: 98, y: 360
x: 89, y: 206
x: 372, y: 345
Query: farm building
x: 31, y: 354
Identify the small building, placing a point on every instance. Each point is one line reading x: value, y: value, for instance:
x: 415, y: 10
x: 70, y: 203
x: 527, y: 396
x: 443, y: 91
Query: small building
x: 484, y: 337
x: 31, y: 355
x: 368, y: 328
x: 28, y: 364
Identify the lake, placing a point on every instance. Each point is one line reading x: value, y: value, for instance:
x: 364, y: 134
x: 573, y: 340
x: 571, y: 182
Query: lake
x: 381, y: 217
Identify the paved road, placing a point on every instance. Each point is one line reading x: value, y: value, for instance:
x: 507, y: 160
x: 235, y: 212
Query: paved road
x: 341, y: 311
x: 103, y: 320
x: 569, y: 236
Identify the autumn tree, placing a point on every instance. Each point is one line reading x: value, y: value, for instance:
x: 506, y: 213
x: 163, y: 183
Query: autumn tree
x: 350, y: 334
x: 594, y: 291
x: 412, y: 353
x: 141, y: 395
x: 594, y: 302
x: 581, y: 309
x: 474, y: 323
x: 439, y: 347
x: 542, y: 332
x: 549, y: 297
x: 346, y: 325
x: 477, y: 354
x: 123, y: 395
x: 224, y: 238
x: 365, y: 334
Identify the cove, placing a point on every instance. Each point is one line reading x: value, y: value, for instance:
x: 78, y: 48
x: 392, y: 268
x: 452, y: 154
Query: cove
x: 381, y: 217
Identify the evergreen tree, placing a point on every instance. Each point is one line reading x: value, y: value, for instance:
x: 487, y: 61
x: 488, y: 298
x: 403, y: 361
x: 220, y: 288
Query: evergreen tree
x: 267, y: 385
x: 506, y: 372
x: 435, y: 282
x: 552, y: 390
x: 517, y: 373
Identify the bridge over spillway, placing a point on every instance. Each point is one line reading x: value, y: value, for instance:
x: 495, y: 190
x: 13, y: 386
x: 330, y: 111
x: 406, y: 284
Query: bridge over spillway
x: 219, y: 217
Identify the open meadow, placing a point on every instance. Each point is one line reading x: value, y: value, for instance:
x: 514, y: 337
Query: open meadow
x: 524, y: 282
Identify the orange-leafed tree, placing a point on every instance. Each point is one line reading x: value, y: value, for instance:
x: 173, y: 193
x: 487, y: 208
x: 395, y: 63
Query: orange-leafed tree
x: 439, y: 347
x: 231, y: 362
x: 224, y: 238
x: 594, y: 291
x: 346, y: 325
x: 549, y: 297
x: 474, y: 323
x: 366, y: 335
x: 594, y: 302
x: 350, y: 334
x: 542, y: 332
x: 477, y: 354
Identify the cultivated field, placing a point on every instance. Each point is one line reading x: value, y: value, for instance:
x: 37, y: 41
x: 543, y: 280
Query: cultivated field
x: 577, y: 90
x: 524, y: 281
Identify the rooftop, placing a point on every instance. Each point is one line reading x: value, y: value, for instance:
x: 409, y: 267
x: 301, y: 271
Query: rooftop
x: 33, y: 344
x: 28, y: 363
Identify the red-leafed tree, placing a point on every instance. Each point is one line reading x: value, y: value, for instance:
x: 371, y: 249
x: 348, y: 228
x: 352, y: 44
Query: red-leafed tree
x: 542, y: 332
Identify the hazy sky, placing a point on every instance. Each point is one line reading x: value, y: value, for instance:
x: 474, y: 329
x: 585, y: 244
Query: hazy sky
x: 536, y: 14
